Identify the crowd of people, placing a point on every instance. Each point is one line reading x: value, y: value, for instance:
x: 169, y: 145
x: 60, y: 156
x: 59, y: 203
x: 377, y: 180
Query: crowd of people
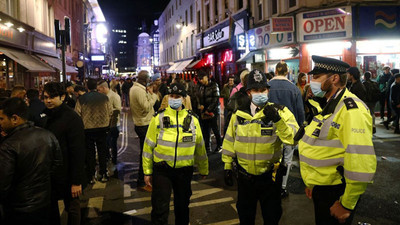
x: 50, y: 138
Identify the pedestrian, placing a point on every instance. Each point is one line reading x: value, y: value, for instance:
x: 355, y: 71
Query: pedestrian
x: 68, y: 128
x: 142, y: 102
x: 354, y: 83
x: 395, y: 100
x: 372, y: 97
x: 240, y: 74
x: 126, y: 86
x: 225, y: 94
x: 30, y: 158
x: 79, y: 90
x: 174, y: 143
x: 155, y: 85
x: 35, y: 107
x: 384, y: 88
x: 115, y: 122
x: 301, y: 82
x: 337, y: 157
x: 283, y: 92
x: 209, y: 109
x: 95, y: 110
x: 19, y: 92
x: 115, y: 87
x: 253, y: 142
x: 70, y: 98
x: 390, y: 83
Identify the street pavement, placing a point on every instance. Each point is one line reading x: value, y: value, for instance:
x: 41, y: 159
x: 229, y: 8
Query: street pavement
x: 213, y: 203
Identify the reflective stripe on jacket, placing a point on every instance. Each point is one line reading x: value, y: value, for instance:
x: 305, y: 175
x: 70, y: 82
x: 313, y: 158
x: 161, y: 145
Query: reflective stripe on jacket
x: 342, y: 138
x: 257, y: 145
x: 172, y: 145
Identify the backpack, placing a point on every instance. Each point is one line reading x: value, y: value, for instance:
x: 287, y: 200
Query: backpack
x: 373, y: 91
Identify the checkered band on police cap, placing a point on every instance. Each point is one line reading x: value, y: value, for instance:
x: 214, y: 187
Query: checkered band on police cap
x: 328, y: 65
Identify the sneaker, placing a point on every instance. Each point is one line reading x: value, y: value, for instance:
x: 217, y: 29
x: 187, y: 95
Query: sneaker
x: 284, y: 193
x: 218, y: 149
x: 92, y: 181
x: 104, y: 178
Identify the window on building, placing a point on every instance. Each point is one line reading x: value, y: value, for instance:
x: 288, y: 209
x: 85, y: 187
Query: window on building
x: 198, y: 18
x: 191, y: 14
x: 240, y: 4
x: 292, y: 3
x: 216, y: 10
x: 176, y: 4
x: 191, y: 45
x: 260, y: 10
x: 226, y: 12
x: 207, y: 15
x: 186, y: 17
x: 172, y: 11
x: 180, y: 2
x: 187, y: 48
x: 274, y: 7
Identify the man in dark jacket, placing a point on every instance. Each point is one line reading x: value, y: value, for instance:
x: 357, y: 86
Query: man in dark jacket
x: 209, y: 110
x: 29, y: 155
x: 70, y: 98
x: 395, y: 97
x: 355, y: 86
x: 383, y: 86
x: 126, y: 86
x: 67, y: 126
x: 35, y: 108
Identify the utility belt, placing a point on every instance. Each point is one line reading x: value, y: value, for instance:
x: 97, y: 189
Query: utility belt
x: 163, y: 166
x: 242, y: 173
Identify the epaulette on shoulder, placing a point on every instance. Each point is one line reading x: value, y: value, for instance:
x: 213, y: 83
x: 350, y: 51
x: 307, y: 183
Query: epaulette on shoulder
x: 277, y: 106
x: 350, y: 103
x: 158, y: 112
x: 190, y: 112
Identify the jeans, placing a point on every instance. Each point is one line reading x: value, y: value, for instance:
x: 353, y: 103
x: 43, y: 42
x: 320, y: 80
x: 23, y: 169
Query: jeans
x: 206, y: 126
x: 112, y: 139
x: 96, y: 140
x: 141, y: 132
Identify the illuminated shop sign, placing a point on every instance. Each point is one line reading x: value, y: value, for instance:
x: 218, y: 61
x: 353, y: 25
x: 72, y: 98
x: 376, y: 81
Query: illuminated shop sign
x: 261, y: 37
x: 228, y: 56
x: 241, y: 42
x: 97, y: 57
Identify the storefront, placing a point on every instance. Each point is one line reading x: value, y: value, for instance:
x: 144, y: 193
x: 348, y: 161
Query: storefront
x: 378, y: 38
x: 219, y: 51
x: 327, y: 33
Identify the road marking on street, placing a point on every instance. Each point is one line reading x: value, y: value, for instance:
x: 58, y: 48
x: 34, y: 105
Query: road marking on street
x: 202, y: 181
x: 125, y: 137
x: 99, y: 185
x: 61, y: 206
x: 127, y: 191
x: 234, y: 206
x: 226, y: 222
x: 93, y: 204
x: 210, y: 202
x: 386, y: 140
x: 144, y: 199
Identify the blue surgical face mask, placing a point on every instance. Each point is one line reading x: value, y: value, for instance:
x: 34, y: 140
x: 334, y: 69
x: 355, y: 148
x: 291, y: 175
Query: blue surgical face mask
x: 316, y: 89
x: 259, y: 99
x: 175, y: 103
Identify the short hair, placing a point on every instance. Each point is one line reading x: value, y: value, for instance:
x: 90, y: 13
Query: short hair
x: 54, y: 89
x: 15, y: 106
x: 201, y: 74
x: 32, y: 94
x: 367, y: 75
x: 282, y: 68
x: 16, y: 89
x: 78, y: 88
x: 245, y: 80
x: 91, y: 84
x: 103, y: 83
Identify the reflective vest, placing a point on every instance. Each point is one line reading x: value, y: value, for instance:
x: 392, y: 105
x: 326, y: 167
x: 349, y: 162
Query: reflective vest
x: 342, y: 138
x: 256, y: 145
x: 167, y: 140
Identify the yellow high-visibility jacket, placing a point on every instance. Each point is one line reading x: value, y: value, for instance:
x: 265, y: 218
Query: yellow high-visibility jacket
x: 256, y: 145
x: 342, y: 138
x: 178, y: 148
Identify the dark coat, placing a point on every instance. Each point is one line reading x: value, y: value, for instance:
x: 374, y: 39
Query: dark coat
x: 239, y: 101
x: 30, y: 157
x: 36, y: 108
x: 126, y: 86
x: 358, y: 89
x: 209, y: 97
x: 395, y: 95
x: 68, y: 128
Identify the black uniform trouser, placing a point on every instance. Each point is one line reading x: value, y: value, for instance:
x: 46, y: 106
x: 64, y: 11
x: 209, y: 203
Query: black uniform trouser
x: 166, y: 179
x: 112, y: 140
x: 324, y: 197
x: 72, y: 207
x: 37, y: 217
x: 141, y: 132
x: 258, y: 188
x: 206, y: 126
x: 382, y: 103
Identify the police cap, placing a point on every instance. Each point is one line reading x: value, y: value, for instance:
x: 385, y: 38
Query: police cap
x: 177, y: 89
x: 328, y: 65
x: 256, y: 80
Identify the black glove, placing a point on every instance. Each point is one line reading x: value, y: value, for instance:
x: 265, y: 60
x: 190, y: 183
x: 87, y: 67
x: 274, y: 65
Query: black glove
x: 228, y: 177
x: 271, y: 113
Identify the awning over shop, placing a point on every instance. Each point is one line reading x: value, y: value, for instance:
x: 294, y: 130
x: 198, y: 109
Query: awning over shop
x: 248, y: 58
x: 57, y: 63
x: 194, y: 64
x: 173, y: 67
x: 182, y: 66
x: 31, y: 63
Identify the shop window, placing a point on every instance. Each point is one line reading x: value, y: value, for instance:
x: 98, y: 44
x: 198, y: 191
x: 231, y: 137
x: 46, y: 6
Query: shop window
x: 274, y: 7
x: 216, y: 10
x: 240, y: 4
x: 191, y: 14
x: 208, y: 16
x: 198, y: 21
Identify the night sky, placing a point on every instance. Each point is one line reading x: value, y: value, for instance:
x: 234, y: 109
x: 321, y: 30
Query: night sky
x: 131, y: 13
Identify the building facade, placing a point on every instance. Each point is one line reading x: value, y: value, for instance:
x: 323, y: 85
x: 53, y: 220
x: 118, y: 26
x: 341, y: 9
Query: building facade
x: 144, y: 53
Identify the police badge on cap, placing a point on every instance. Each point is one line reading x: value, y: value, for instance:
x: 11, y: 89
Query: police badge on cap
x: 177, y: 89
x: 256, y: 80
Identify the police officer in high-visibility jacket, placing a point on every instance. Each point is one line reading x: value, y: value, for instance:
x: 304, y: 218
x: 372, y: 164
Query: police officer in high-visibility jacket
x: 253, y: 142
x: 174, y: 143
x: 337, y: 157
